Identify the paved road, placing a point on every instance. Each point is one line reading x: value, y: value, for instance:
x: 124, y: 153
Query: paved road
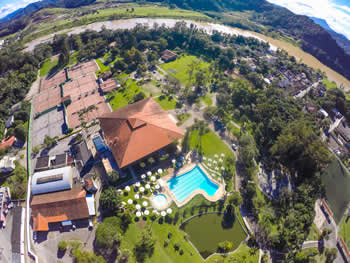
x: 304, y: 92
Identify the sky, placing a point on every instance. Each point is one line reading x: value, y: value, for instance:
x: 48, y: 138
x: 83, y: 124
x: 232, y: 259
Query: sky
x: 335, y: 12
x: 9, y: 6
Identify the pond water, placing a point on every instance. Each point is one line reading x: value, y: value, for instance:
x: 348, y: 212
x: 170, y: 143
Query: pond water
x: 207, y: 231
x: 337, y: 182
x: 131, y: 23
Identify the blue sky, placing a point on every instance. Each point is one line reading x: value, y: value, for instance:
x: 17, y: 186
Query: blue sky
x: 335, y: 12
x: 9, y: 6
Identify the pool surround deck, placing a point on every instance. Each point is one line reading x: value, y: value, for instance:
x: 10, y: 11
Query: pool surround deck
x: 219, y: 194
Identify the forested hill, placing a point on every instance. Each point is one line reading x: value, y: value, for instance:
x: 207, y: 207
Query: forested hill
x: 18, y: 20
x: 314, y: 39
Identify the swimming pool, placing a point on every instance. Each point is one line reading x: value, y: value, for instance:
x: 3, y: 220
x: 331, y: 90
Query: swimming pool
x: 182, y: 186
x: 160, y: 200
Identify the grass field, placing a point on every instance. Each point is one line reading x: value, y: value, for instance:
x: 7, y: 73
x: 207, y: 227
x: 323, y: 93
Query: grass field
x: 167, y: 103
x: 207, y: 100
x: 216, y: 226
x: 180, y: 67
x: 120, y: 98
x: 329, y: 84
x: 48, y: 65
x: 103, y: 67
x: 209, y: 145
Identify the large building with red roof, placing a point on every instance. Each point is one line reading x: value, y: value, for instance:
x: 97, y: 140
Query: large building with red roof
x: 138, y: 130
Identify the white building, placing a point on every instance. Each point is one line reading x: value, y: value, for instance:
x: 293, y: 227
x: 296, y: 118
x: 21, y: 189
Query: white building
x: 52, y: 180
x: 7, y: 164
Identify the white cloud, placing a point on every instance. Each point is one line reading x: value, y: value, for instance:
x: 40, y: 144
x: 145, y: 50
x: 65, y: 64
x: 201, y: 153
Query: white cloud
x: 13, y: 5
x: 336, y: 15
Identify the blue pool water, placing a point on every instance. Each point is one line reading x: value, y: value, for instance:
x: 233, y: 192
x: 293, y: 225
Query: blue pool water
x: 182, y: 186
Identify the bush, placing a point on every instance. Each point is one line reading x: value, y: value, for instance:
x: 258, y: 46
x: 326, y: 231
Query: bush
x: 108, y: 234
x: 166, y: 242
x: 224, y: 246
x: 62, y: 246
x: 177, y: 246
x: 181, y: 252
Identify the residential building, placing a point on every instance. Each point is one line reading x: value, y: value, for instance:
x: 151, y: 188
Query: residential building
x: 9, y: 122
x: 7, y: 164
x: 168, y: 56
x: 109, y: 85
x: 138, y: 130
x: 8, y: 142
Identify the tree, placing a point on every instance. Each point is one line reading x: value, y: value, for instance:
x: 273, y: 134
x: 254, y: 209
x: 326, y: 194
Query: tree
x: 110, y: 200
x: 139, y: 96
x: 49, y: 142
x: 36, y: 150
x: 83, y: 114
x: 235, y: 199
x: 83, y: 256
x: 224, y: 246
x: 145, y: 246
x: 62, y: 246
x: 124, y: 255
x: 113, y: 178
x: 21, y: 133
x: 108, y: 234
x: 151, y: 160
x: 331, y: 254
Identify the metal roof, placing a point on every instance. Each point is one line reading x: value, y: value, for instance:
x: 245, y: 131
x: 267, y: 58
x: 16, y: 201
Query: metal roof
x: 49, y: 181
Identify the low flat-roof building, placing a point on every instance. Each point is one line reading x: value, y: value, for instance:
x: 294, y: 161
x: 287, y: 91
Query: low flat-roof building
x: 138, y: 130
x: 109, y: 85
x: 52, y: 180
x: 7, y: 164
x: 52, y: 162
x: 8, y: 142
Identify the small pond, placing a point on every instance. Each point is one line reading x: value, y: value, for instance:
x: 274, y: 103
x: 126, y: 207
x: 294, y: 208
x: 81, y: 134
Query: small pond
x: 207, y: 231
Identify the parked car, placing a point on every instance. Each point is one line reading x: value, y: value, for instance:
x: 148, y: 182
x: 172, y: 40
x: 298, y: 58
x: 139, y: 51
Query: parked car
x: 234, y: 147
x: 91, y: 225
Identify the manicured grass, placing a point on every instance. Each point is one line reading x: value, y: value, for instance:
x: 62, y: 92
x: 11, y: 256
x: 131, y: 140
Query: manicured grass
x: 180, y: 68
x: 209, y: 145
x: 183, y: 117
x: 344, y: 230
x: 218, y: 227
x: 166, y: 102
x: 73, y: 59
x: 103, y: 67
x: 243, y: 254
x: 48, y: 65
x: 123, y: 97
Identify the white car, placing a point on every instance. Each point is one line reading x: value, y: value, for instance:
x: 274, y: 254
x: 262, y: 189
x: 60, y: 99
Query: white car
x: 234, y: 146
x: 91, y: 225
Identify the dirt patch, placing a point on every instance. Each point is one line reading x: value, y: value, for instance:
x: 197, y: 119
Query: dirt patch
x: 141, y: 224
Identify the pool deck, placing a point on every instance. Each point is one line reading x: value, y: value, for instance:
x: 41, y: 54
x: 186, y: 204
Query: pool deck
x: 220, y: 192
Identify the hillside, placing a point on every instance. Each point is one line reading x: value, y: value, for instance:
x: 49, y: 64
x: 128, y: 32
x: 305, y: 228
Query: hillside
x: 341, y: 39
x: 262, y: 17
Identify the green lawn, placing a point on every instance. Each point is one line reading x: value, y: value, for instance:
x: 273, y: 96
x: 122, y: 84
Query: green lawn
x: 48, y: 65
x: 210, y: 144
x: 103, y: 67
x: 122, y: 97
x: 207, y: 100
x: 73, y: 59
x: 183, y: 117
x: 180, y: 67
x: 243, y: 254
x: 329, y: 84
x: 314, y: 233
x: 216, y: 226
x: 167, y: 103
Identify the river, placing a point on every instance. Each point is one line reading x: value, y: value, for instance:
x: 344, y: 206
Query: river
x: 131, y: 23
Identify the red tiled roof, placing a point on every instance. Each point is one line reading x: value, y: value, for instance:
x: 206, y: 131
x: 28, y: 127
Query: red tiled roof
x: 138, y: 130
x: 8, y: 143
x: 108, y: 85
x: 58, y: 207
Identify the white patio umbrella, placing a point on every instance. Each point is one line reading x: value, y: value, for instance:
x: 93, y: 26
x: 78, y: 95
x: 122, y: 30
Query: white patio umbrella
x: 145, y: 203
x: 222, y: 168
x: 173, y: 161
x: 138, y: 213
x: 216, y: 156
x: 127, y: 188
x: 137, y: 196
x: 142, y: 189
x: 217, y: 168
x: 210, y: 160
x: 147, y: 186
x: 154, y: 211
x: 153, y: 178
x: 129, y: 201
x: 160, y: 171
x: 149, y: 173
x: 209, y: 164
x: 222, y: 154
x: 157, y: 186
x: 146, y: 212
x: 169, y: 210
x: 143, y: 176
x: 220, y: 160
x: 204, y: 158
x: 123, y: 203
x: 138, y: 184
x: 215, y: 162
x: 120, y: 190
x: 138, y: 207
x: 163, y: 213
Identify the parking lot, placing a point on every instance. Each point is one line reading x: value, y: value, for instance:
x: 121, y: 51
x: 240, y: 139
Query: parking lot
x: 50, y: 124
